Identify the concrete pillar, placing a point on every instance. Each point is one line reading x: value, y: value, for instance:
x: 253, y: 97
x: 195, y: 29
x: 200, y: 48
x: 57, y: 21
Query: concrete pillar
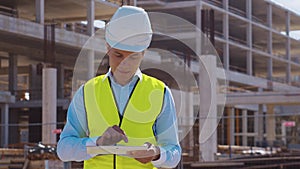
x: 68, y: 165
x: 13, y: 74
x: 269, y: 15
x: 208, y: 107
x: 90, y: 32
x: 60, y: 81
x: 249, y: 62
x: 186, y: 118
x: 256, y: 120
x: 287, y: 22
x: 35, y: 81
x: 90, y: 17
x: 259, y: 122
x: 270, y: 41
x: 40, y: 11
x: 232, y: 126
x: 270, y: 69
x: 49, y: 105
x: 249, y: 9
x: 223, y: 131
x: 226, y: 60
x: 288, y: 47
x: 237, y: 127
x: 198, y: 31
x: 249, y: 37
x: 16, y: 131
x: 245, y: 127
x: 283, y: 133
x: 90, y: 63
x: 270, y: 125
x: 270, y: 25
x: 5, y: 123
x: 190, y: 111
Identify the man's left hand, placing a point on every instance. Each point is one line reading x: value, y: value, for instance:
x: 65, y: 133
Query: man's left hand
x: 146, y: 156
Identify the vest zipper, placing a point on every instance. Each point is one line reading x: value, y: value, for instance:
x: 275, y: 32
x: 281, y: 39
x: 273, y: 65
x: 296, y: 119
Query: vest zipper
x: 115, y: 161
x: 120, y: 117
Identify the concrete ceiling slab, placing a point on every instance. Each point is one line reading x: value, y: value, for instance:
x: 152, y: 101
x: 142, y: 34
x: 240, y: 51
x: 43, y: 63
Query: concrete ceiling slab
x: 61, y: 11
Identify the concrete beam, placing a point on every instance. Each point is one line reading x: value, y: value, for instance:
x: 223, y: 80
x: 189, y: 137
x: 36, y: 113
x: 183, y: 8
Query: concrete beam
x: 256, y: 81
x: 35, y: 53
x: 64, y: 103
x: 275, y: 98
x: 5, y: 123
x: 20, y: 70
x: 36, y: 31
x: 6, y: 97
x: 171, y: 5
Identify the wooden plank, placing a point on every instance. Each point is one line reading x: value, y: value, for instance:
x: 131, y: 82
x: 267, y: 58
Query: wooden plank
x: 40, y: 164
x: 217, y: 164
x: 9, y: 151
x: 5, y: 161
x: 4, y: 167
x: 14, y: 166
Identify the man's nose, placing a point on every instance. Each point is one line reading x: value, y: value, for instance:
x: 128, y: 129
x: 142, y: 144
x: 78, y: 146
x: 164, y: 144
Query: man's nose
x: 125, y: 61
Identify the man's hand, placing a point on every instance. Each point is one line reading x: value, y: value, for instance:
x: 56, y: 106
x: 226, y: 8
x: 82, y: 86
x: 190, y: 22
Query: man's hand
x: 111, y: 136
x: 146, y: 156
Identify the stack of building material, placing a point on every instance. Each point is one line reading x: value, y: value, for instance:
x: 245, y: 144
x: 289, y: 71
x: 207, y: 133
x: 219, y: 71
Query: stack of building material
x: 12, y: 159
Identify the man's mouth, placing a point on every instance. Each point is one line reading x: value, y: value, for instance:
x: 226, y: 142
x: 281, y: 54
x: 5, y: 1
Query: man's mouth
x: 123, y: 71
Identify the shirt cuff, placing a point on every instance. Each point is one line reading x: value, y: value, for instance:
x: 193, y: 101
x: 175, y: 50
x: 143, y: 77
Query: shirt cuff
x: 91, y: 142
x: 162, y: 159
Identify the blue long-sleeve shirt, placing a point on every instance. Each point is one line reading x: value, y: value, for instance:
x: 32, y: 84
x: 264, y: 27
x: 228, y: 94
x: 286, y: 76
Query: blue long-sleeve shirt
x: 74, y: 137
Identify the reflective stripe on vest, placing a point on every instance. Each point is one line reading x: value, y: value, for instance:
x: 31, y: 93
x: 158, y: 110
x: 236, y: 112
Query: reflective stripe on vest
x: 140, y: 113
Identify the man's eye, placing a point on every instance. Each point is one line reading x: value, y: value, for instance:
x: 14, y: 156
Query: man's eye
x: 135, y: 56
x: 117, y: 55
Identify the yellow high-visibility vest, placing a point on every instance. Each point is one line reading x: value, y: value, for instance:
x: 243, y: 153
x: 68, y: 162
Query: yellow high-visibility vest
x: 143, y: 107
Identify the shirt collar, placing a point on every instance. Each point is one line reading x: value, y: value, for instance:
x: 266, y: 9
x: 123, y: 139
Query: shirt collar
x: 138, y: 74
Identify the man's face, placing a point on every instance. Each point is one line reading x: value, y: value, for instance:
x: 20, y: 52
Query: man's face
x: 124, y: 64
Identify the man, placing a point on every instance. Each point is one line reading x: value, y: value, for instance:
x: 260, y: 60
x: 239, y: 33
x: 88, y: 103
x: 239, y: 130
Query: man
x: 124, y: 106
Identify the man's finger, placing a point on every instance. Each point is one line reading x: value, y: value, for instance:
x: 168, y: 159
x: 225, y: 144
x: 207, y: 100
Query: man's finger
x: 119, y: 130
x: 125, y: 138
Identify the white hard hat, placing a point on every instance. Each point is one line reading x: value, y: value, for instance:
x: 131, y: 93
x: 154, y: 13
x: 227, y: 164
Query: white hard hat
x: 129, y: 29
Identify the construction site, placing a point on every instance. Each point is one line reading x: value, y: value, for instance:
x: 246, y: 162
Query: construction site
x: 254, y: 59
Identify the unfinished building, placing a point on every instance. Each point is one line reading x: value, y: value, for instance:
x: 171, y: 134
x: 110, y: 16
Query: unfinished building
x: 252, y: 38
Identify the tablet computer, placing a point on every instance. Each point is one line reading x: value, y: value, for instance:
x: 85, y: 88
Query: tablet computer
x: 121, y: 150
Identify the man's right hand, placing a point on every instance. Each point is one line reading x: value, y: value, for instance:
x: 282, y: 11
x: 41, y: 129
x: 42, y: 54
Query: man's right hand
x: 111, y: 136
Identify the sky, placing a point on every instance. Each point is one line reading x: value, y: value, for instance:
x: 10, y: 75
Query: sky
x: 290, y: 4
x: 293, y: 5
